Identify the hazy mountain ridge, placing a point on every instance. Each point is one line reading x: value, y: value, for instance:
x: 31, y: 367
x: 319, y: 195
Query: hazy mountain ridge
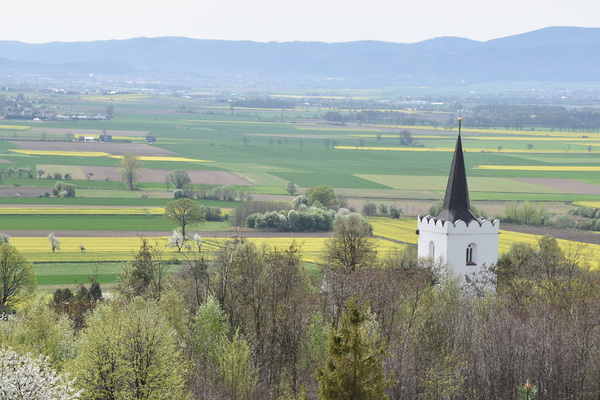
x: 557, y: 54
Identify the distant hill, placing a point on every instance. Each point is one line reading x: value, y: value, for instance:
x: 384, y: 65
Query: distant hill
x: 552, y: 55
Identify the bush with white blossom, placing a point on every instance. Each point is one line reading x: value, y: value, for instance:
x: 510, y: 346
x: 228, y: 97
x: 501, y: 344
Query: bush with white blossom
x: 24, y: 376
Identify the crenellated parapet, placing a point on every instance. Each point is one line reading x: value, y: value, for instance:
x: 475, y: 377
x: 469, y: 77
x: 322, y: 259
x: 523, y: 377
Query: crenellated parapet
x: 476, y: 226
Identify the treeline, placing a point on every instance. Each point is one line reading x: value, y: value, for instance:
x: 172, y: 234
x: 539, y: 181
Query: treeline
x: 592, y: 221
x: 266, y: 102
x: 533, y: 116
x: 380, y: 117
x: 536, y: 214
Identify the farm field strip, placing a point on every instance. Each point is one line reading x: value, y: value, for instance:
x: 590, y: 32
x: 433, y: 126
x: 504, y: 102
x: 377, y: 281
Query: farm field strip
x: 81, y: 211
x: 470, y: 150
x: 203, y: 121
x: 500, y: 131
x: 14, y: 127
x: 61, y: 153
x: 476, y: 184
x: 590, y: 204
x: 568, y: 168
x: 468, y: 137
x: 123, y: 248
x: 37, y: 249
x: 101, y: 154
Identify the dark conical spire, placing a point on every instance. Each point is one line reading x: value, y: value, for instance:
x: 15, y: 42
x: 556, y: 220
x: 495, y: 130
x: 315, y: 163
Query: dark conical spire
x: 456, y: 203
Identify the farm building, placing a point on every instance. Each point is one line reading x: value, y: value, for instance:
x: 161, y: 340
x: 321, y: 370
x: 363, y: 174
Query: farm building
x: 456, y: 235
x: 105, y: 138
x: 88, y: 138
x: 150, y: 139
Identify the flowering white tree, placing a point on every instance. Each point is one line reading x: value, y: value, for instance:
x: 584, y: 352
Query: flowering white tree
x: 27, y: 377
x: 176, y: 240
x: 54, y: 242
x: 198, y: 240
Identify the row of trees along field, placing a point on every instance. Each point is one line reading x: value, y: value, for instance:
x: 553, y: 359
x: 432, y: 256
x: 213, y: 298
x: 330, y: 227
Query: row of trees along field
x: 248, y: 322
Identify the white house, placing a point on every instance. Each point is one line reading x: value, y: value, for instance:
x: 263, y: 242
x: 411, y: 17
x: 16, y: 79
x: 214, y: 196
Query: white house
x: 456, y: 235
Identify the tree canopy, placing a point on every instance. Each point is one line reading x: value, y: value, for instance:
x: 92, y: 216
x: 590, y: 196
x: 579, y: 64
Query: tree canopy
x: 184, y: 212
x: 129, y: 168
x: 17, y: 277
x: 323, y: 194
x: 353, y: 368
x: 179, y: 178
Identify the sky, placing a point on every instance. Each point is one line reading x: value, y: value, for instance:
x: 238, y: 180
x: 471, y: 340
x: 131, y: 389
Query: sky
x: 401, y: 21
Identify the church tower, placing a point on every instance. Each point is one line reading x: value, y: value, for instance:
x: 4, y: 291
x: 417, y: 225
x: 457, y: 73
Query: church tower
x: 456, y: 235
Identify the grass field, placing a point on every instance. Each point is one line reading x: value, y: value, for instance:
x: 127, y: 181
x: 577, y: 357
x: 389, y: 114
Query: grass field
x: 99, y: 222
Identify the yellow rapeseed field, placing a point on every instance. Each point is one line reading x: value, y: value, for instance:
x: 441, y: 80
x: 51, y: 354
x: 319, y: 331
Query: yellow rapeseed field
x: 403, y: 230
x: 387, y: 232
x: 14, y: 127
x: 101, y: 154
x: 590, y: 204
x: 157, y: 158
x: 62, y: 153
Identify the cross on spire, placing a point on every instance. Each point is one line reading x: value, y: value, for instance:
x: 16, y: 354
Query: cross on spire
x: 456, y: 202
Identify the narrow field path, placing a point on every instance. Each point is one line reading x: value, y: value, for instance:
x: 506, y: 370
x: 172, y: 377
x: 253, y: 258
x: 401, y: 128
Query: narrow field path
x: 220, y: 234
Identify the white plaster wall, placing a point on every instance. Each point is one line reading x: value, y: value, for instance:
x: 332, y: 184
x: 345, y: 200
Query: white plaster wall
x: 451, y: 242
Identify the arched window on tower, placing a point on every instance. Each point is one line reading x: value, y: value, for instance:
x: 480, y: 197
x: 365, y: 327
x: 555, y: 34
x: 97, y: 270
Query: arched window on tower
x: 432, y: 250
x: 471, y: 254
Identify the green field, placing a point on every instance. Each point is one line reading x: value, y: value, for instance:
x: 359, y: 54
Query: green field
x: 69, y: 273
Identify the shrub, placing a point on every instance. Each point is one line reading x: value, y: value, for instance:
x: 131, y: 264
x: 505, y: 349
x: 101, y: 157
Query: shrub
x: 250, y: 207
x: 63, y: 189
x: 383, y: 208
x: 369, y: 209
x: 395, y: 212
x: 211, y: 213
x: 300, y: 200
x: 177, y: 194
x: 526, y: 213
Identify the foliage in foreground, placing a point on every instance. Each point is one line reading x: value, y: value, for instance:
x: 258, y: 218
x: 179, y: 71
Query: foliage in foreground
x: 247, y: 321
x: 130, y: 352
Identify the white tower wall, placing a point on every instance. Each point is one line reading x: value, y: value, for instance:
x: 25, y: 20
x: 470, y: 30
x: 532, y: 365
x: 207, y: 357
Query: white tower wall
x: 465, y: 247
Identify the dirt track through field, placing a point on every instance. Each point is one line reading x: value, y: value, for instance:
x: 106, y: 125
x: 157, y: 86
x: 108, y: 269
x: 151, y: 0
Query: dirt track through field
x: 150, y: 234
